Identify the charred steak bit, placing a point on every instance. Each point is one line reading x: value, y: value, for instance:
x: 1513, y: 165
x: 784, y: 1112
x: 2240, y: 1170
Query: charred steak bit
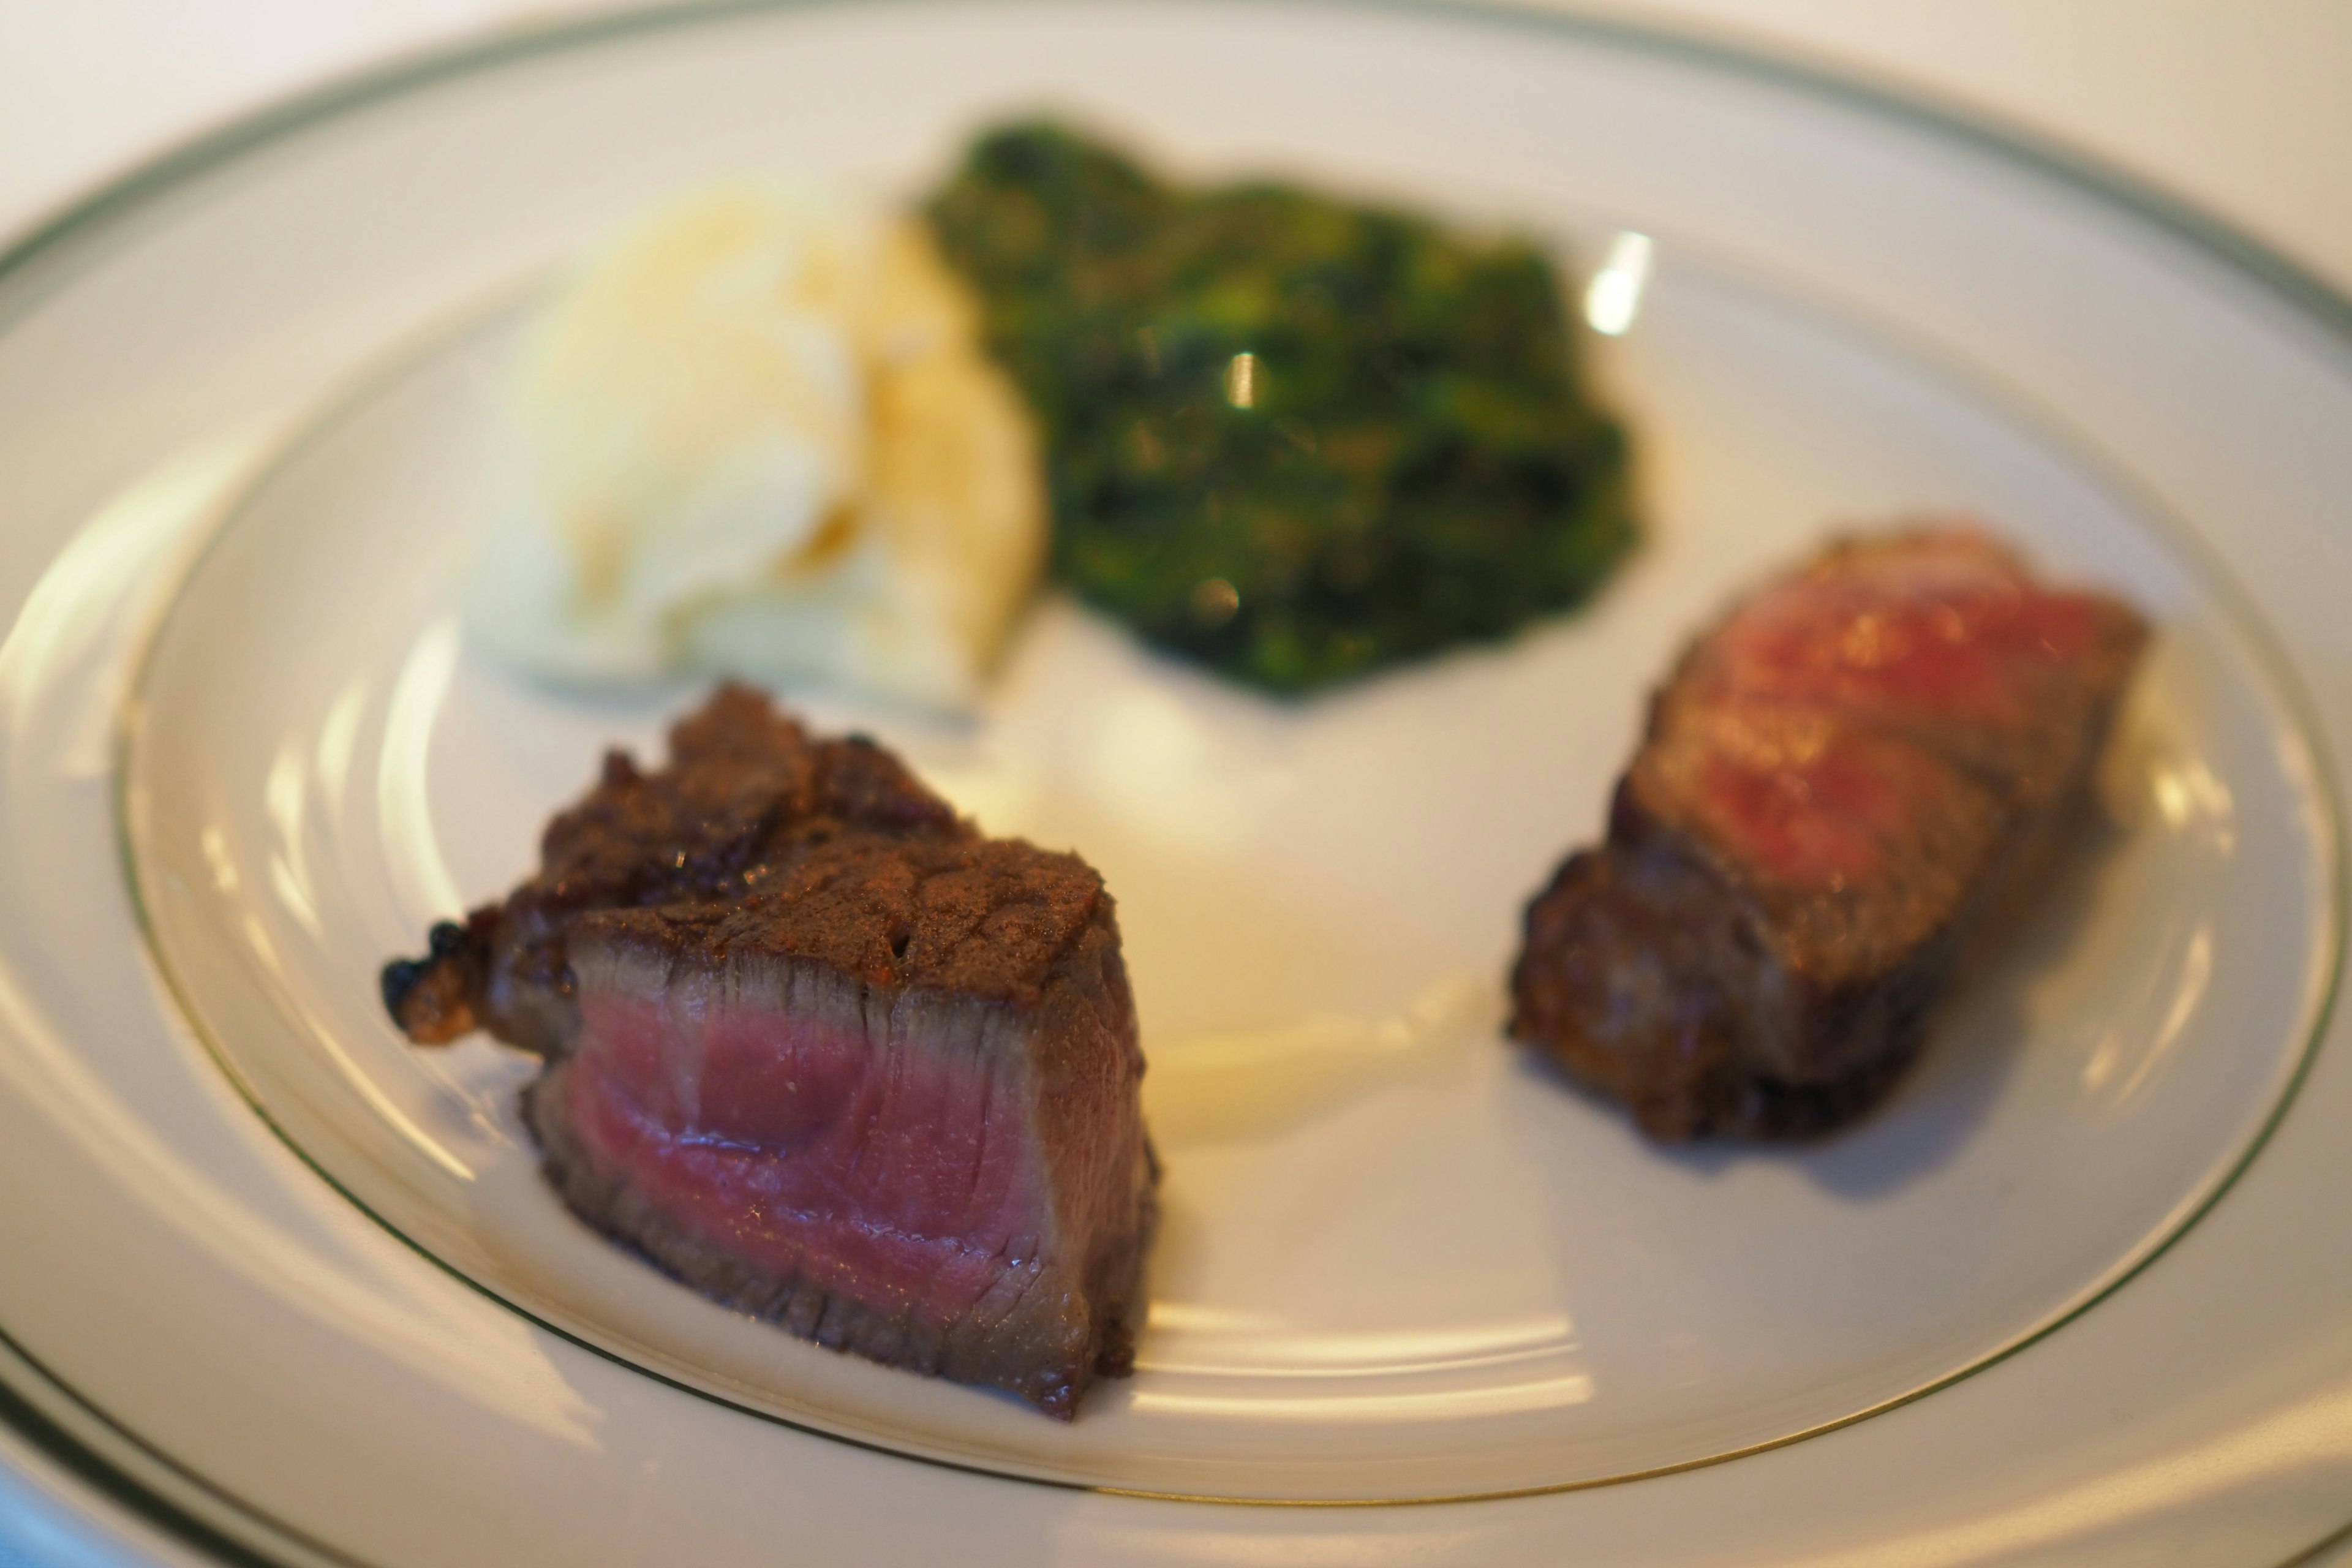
x: 820, y: 1050
x: 1842, y: 787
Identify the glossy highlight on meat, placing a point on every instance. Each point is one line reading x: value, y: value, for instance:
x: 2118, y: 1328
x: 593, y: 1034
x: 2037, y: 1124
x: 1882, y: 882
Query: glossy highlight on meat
x: 1842, y: 788
x: 819, y: 1049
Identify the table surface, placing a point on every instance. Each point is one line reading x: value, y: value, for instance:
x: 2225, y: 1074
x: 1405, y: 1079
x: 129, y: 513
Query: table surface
x: 2238, y: 109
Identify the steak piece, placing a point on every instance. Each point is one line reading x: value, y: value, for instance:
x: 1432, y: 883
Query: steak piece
x: 1842, y: 787
x: 820, y: 1050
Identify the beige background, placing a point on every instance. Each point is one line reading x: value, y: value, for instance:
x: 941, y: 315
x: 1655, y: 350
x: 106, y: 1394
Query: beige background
x: 2242, y: 107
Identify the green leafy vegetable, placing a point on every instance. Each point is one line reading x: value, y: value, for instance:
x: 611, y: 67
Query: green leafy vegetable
x: 1294, y: 438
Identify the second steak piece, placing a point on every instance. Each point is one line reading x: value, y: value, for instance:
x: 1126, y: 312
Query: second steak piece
x: 820, y: 1050
x: 1842, y: 785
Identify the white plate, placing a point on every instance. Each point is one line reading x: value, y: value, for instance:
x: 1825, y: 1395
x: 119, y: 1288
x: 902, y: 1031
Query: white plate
x: 1408, y: 1266
x: 1398, y: 1260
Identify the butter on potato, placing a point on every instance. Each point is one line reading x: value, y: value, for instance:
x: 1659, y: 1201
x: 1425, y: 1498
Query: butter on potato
x: 758, y: 435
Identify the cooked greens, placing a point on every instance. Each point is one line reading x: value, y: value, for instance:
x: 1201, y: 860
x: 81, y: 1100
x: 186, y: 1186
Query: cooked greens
x: 1292, y: 437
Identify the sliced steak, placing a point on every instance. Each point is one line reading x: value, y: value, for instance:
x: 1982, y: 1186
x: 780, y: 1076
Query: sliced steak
x: 820, y: 1050
x: 1841, y: 786
x: 747, y: 790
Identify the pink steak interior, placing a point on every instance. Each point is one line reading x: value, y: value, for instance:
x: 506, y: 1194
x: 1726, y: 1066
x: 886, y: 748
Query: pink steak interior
x: 899, y: 1172
x: 1949, y: 630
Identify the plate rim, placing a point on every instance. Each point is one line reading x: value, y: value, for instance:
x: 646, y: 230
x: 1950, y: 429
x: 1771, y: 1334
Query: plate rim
x: 2238, y: 612
x: 88, y: 227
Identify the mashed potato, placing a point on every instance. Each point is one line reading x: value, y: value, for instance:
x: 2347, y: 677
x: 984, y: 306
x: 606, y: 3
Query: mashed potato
x: 759, y: 435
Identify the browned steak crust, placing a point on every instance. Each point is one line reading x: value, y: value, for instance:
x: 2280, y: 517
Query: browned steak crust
x: 1649, y: 980
x: 748, y: 793
x: 1841, y: 789
x: 992, y: 918
x: 812, y: 888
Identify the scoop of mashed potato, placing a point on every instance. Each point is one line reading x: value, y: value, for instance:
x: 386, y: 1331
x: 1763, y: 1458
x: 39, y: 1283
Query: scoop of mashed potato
x: 758, y: 435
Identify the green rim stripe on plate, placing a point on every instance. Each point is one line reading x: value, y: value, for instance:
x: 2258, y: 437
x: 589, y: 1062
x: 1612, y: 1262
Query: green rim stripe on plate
x: 48, y: 249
